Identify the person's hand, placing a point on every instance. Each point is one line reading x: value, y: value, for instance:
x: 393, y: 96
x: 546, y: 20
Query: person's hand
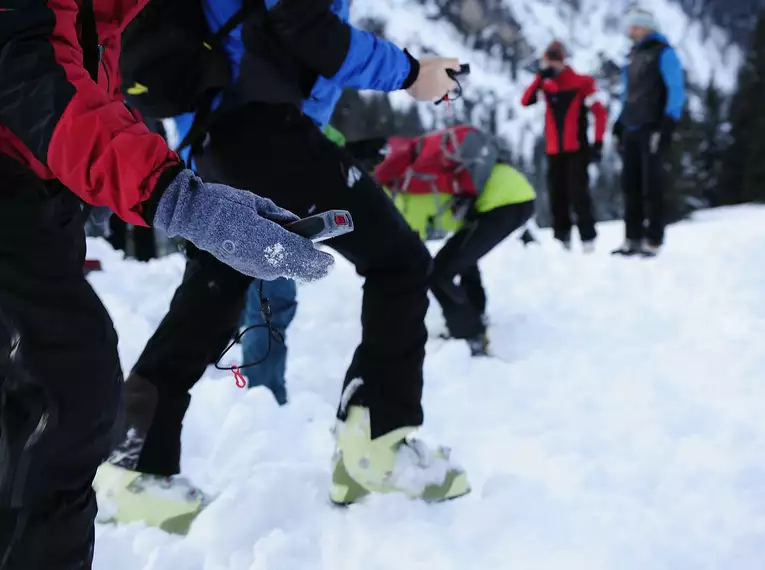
x: 433, y: 81
x: 240, y: 229
x: 596, y: 153
x: 618, y: 133
x: 664, y: 135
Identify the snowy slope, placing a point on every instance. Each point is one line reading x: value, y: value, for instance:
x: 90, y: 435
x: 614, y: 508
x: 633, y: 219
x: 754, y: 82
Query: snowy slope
x: 622, y: 431
x: 593, y: 30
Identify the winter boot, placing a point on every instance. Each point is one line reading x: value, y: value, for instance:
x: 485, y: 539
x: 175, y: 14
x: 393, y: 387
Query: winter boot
x: 651, y: 249
x: 391, y: 463
x: 170, y: 503
x: 628, y: 248
x: 588, y: 246
x: 479, y: 346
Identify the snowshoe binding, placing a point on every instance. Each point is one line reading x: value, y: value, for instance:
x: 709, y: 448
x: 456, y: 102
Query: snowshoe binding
x: 169, y: 503
x: 392, y: 463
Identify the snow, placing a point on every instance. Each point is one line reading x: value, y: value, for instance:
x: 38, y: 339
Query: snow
x: 622, y: 428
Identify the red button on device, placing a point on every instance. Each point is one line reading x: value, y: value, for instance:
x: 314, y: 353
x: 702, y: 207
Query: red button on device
x: 340, y: 220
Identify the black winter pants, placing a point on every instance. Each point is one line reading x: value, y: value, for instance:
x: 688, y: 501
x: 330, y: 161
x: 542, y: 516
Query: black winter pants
x: 464, y: 304
x: 60, y: 379
x: 568, y: 185
x: 278, y: 153
x: 643, y: 188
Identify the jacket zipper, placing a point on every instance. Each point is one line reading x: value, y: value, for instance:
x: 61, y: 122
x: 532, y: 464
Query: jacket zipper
x: 101, y: 50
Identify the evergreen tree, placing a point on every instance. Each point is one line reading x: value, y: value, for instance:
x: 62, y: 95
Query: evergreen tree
x: 743, y: 176
x: 710, y: 153
x: 683, y: 194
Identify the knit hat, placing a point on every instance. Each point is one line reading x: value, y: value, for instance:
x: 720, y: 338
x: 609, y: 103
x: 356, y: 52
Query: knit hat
x: 556, y: 51
x: 643, y: 18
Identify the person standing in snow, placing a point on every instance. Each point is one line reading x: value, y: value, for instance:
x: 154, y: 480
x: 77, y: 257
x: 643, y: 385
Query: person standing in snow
x: 653, y: 96
x: 291, y: 61
x: 570, y: 97
x: 66, y: 138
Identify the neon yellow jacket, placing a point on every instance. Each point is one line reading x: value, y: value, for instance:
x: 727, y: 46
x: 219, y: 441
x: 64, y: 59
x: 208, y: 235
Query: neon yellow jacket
x: 505, y: 186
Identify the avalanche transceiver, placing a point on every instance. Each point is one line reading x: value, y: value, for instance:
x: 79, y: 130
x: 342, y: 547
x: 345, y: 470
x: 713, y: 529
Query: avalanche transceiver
x: 324, y: 226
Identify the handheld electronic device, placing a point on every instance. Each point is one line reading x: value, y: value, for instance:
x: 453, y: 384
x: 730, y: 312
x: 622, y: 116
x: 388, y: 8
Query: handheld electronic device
x: 463, y: 71
x: 323, y: 226
x: 456, y: 75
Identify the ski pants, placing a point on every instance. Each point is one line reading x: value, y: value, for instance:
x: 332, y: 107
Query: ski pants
x: 281, y: 154
x: 464, y: 303
x: 60, y: 378
x: 258, y: 343
x: 568, y: 185
x: 643, y: 188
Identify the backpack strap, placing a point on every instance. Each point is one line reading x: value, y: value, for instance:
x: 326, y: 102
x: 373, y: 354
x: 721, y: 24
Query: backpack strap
x: 205, y: 113
x: 91, y: 51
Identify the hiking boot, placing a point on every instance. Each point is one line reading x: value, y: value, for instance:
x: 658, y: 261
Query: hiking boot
x: 628, y: 248
x: 588, y: 246
x: 391, y: 463
x: 170, y: 503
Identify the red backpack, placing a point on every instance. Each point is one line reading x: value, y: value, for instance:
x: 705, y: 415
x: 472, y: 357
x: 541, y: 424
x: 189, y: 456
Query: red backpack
x: 427, y: 164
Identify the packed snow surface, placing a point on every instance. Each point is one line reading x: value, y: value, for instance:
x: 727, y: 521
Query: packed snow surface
x: 623, y: 427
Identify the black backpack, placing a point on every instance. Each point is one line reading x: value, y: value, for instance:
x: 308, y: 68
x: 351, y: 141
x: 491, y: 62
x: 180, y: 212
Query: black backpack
x: 170, y: 62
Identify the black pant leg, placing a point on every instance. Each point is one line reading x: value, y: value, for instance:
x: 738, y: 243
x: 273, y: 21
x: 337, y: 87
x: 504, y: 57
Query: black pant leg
x: 118, y: 233
x: 579, y: 188
x: 558, y: 192
x: 60, y: 378
x: 471, y: 282
x: 654, y: 197
x: 461, y: 253
x: 292, y: 162
x: 633, y: 170
x: 144, y: 244
x: 206, y: 305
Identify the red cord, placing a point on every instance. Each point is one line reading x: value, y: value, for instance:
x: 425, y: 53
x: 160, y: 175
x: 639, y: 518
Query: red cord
x: 241, y: 381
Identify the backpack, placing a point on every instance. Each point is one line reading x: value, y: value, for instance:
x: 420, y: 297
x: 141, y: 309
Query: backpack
x: 170, y: 61
x: 432, y: 163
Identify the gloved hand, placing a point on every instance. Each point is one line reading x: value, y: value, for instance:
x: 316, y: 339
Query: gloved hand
x: 618, y: 133
x: 240, y: 229
x: 664, y: 135
x: 548, y: 73
x: 596, y: 153
x: 432, y: 82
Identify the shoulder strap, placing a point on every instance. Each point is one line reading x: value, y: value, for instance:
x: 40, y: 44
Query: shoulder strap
x: 89, y: 39
x: 248, y: 6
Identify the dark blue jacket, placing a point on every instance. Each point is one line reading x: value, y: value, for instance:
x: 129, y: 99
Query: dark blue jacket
x: 670, y: 71
x: 354, y: 58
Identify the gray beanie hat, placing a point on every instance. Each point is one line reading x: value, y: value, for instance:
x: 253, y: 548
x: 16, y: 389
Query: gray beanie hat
x: 643, y: 18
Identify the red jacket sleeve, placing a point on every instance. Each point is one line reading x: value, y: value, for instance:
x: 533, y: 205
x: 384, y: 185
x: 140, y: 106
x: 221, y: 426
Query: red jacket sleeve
x: 597, y: 108
x: 530, y: 96
x: 89, y: 140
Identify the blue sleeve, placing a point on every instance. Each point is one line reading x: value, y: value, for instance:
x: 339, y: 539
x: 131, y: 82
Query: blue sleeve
x: 372, y: 63
x: 674, y: 79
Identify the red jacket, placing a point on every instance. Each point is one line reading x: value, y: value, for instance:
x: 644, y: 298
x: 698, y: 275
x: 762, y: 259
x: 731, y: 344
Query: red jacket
x: 56, y: 120
x: 569, y: 96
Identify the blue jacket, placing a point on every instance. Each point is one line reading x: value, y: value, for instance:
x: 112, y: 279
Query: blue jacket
x: 671, y: 72
x: 370, y: 62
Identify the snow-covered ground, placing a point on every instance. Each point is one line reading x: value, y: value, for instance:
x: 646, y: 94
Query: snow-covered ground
x: 623, y: 429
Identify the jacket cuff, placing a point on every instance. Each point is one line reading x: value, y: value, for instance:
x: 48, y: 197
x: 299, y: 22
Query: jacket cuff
x: 149, y: 207
x: 414, y: 71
